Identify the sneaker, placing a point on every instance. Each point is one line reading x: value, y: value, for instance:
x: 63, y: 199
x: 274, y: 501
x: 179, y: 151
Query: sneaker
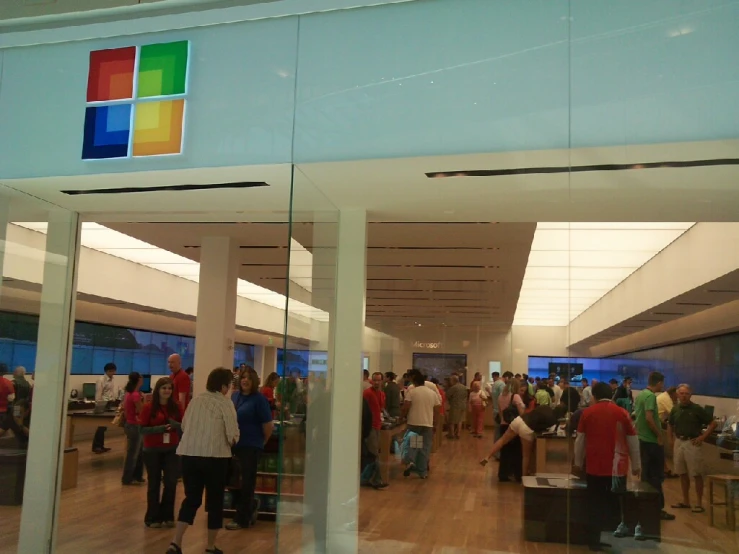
x: 234, y: 526
x: 621, y: 531
x: 638, y: 534
x: 154, y: 525
x: 168, y: 524
x: 411, y: 467
x: 664, y: 516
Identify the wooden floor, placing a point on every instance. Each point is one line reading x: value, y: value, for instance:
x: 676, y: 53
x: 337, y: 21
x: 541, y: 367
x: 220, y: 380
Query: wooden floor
x: 459, y: 509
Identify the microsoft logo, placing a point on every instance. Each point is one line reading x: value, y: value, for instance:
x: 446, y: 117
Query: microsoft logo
x: 136, y: 101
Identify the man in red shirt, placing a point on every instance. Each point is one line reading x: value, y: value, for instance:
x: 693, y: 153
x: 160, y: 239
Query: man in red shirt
x: 375, y: 398
x: 180, y: 381
x: 606, y: 441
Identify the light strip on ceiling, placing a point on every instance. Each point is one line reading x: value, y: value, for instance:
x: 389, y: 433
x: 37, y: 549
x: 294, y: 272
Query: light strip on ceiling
x: 573, y: 265
x: 101, y: 238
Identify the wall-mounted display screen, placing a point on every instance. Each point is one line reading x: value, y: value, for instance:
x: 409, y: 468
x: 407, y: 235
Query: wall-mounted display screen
x: 94, y: 345
x: 439, y: 365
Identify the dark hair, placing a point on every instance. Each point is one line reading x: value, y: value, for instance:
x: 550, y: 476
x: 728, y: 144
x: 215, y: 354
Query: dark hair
x: 218, y: 378
x: 189, y: 370
x: 133, y: 379
x: 496, y: 373
x: 537, y: 379
x: 253, y: 377
x: 418, y: 379
x: 601, y: 391
x: 560, y: 411
x: 655, y: 378
x: 172, y: 408
x: 109, y: 366
x: 671, y: 390
x: 272, y: 378
x: 390, y: 375
x: 508, y: 374
x: 435, y: 381
x: 613, y: 382
x: 584, y: 380
x: 377, y: 373
x: 525, y: 376
x: 365, y: 373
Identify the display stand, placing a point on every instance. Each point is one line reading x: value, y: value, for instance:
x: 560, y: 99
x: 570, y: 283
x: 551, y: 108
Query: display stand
x: 275, y: 483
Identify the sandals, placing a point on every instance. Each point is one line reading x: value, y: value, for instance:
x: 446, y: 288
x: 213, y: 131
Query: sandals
x: 698, y: 510
x: 681, y: 506
x: 214, y: 550
x: 174, y: 549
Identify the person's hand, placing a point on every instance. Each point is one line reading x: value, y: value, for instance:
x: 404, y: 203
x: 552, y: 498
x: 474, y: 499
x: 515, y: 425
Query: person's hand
x: 660, y: 440
x: 698, y: 440
x: 167, y: 428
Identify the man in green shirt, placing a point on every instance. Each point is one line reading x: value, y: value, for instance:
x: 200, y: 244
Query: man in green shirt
x: 651, y: 441
x: 685, y: 425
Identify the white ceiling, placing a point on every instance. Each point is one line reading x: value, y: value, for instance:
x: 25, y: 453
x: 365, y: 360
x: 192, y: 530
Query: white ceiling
x: 572, y: 265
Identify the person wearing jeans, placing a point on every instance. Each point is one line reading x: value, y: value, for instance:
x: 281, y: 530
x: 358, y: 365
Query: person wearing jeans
x: 160, y: 425
x: 209, y: 430
x: 254, y: 416
x: 421, y: 406
x: 651, y: 437
x: 133, y: 467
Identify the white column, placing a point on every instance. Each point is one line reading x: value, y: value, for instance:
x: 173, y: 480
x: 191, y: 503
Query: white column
x: 259, y: 363
x: 216, y: 322
x: 346, y: 330
x: 270, y: 360
x: 46, y: 447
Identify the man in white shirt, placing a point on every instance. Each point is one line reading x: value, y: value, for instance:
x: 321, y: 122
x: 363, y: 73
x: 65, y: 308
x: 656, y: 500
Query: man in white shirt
x: 555, y: 388
x: 105, y: 388
x: 422, y: 406
x: 107, y: 391
x: 587, y: 394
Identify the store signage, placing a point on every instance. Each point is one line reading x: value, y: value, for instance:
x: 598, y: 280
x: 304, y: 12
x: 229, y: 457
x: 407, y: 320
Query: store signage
x: 136, y: 101
x: 427, y: 345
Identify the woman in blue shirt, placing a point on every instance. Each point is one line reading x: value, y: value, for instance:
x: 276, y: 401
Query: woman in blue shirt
x: 255, y: 427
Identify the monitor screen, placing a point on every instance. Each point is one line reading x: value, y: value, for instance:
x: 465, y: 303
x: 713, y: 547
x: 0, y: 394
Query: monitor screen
x: 88, y: 391
x: 146, y: 384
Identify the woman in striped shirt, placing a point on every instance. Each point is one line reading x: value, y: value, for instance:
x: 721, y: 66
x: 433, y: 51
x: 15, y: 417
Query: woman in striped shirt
x: 209, y: 430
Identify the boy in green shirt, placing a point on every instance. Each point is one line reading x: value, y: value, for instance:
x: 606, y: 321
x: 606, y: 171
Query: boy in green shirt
x: 649, y: 430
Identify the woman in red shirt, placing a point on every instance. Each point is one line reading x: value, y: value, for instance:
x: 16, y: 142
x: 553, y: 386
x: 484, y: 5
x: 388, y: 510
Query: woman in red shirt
x: 160, y: 425
x: 268, y: 390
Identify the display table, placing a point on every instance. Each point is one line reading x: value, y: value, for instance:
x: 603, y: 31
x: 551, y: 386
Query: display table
x: 554, y: 453
x: 81, y: 425
x: 386, y: 439
x: 555, y: 509
x: 12, y: 476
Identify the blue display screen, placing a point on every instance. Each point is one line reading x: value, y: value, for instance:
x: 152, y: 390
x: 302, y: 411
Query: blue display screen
x: 95, y: 345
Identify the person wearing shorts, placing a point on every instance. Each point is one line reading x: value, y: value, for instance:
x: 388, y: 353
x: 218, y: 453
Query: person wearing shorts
x: 526, y: 427
x: 685, y: 425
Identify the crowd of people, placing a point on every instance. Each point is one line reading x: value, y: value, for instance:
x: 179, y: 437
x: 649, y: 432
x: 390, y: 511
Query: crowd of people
x: 208, y: 442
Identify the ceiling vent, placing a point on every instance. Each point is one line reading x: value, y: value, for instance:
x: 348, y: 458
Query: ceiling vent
x: 580, y: 168
x: 168, y: 188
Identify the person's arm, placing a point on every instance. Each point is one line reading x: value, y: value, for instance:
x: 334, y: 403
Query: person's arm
x: 144, y: 420
x: 265, y: 417
x: 519, y: 404
x: 139, y: 404
x: 579, y: 451
x: 632, y: 440
x: 231, y: 423
x: 182, y: 397
x: 11, y: 390
x: 705, y: 419
x: 406, y: 407
x: 99, y: 390
x: 654, y: 425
